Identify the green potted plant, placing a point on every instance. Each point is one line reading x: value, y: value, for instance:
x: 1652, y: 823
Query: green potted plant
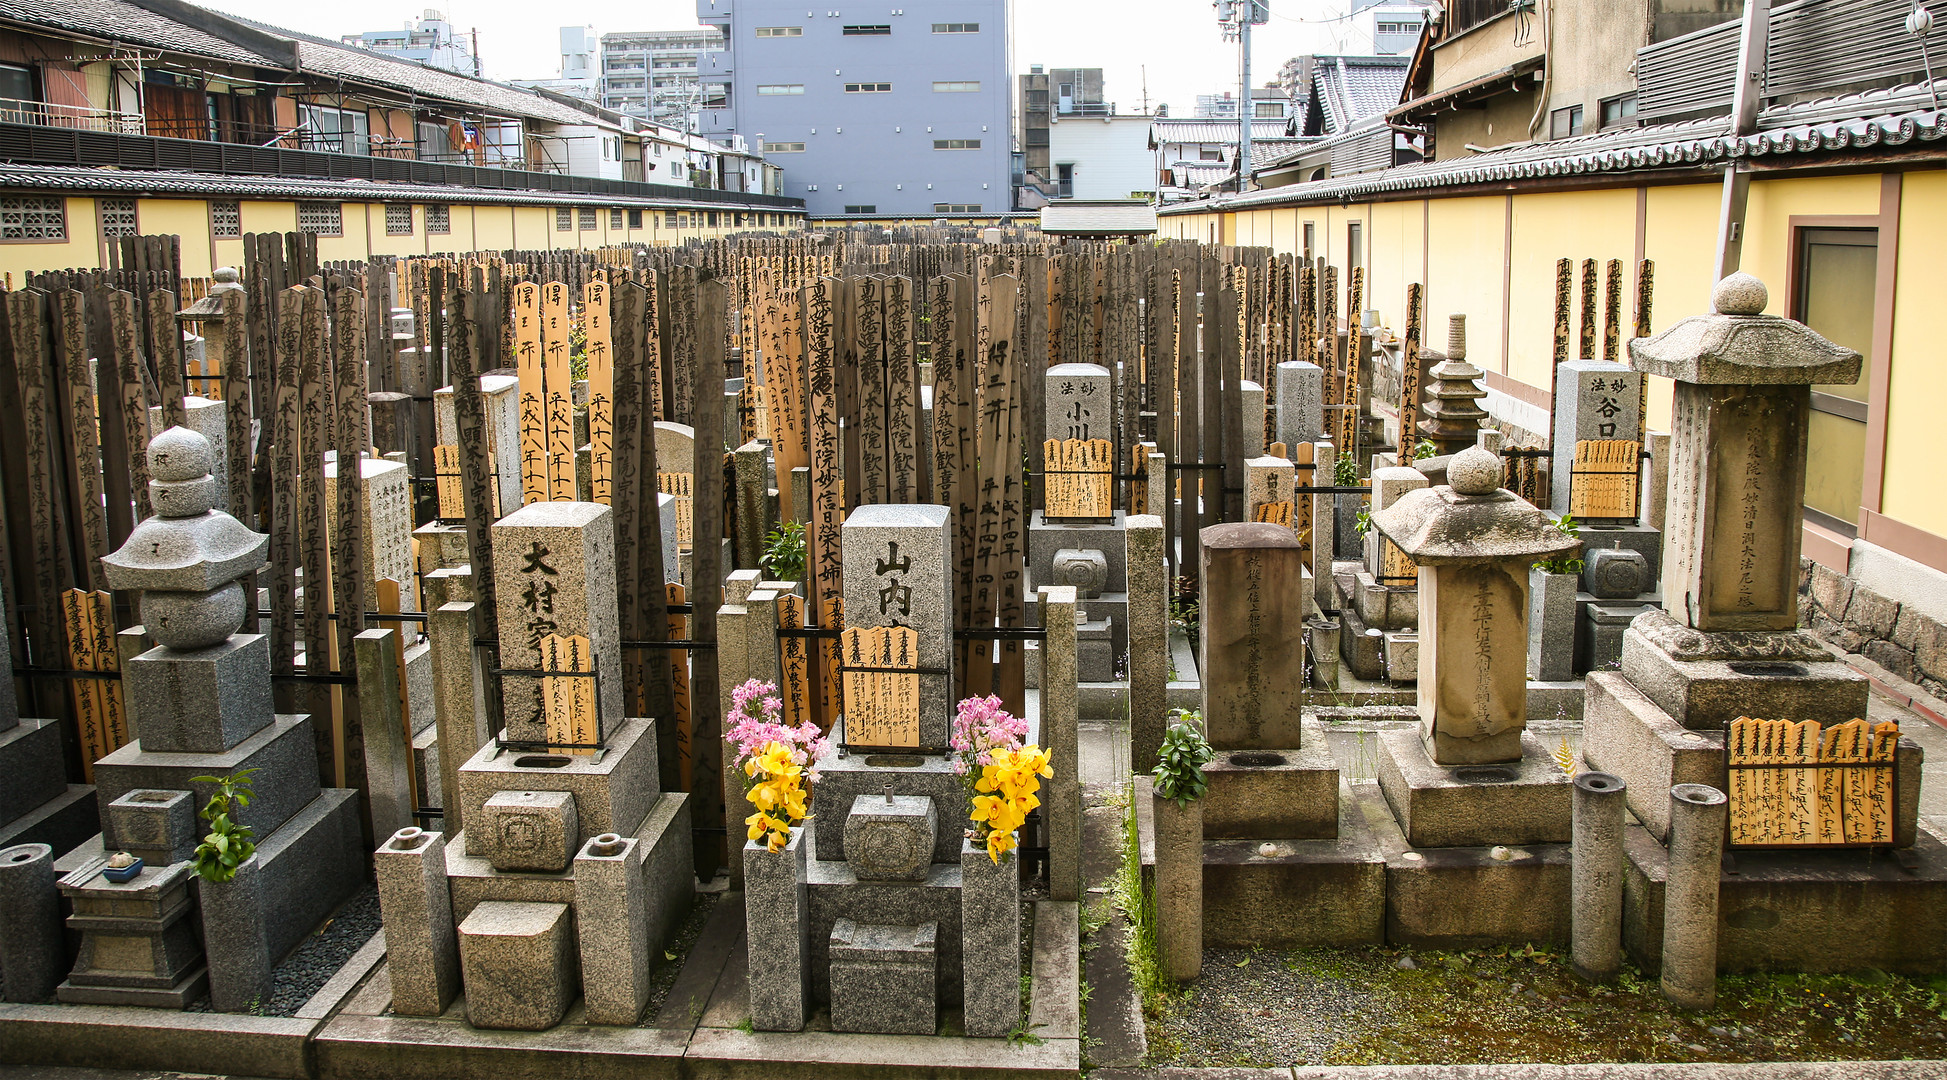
x: 1177, y: 802
x: 784, y: 552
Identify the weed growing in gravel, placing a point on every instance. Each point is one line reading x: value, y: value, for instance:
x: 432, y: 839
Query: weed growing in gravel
x: 1524, y: 1004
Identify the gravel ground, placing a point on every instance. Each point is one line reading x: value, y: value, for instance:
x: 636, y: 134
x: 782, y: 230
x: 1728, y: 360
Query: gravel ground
x: 1257, y: 1008
x: 319, y: 957
x: 1395, y: 1006
x: 676, y: 951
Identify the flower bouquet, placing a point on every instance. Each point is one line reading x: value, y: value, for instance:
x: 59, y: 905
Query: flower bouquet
x: 778, y: 762
x: 1001, y: 775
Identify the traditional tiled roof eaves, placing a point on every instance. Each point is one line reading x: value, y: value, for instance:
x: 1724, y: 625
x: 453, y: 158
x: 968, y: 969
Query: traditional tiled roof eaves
x: 79, y: 179
x: 1850, y: 122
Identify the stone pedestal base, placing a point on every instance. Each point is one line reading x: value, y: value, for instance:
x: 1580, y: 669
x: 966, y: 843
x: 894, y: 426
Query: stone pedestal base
x: 1305, y: 893
x: 1524, y: 802
x: 30, y: 759
x: 138, y: 944
x: 1811, y: 911
x: 1625, y: 733
x: 1599, y: 629
x: 1274, y: 794
x: 663, y: 835
x: 285, y: 752
x: 612, y: 791
x: 1644, y: 540
x: 843, y: 779
x: 63, y: 823
x: 1362, y: 648
x: 1388, y: 607
x: 518, y: 962
x: 1469, y: 897
x: 836, y: 893
x: 1706, y: 681
x: 1095, y: 651
x: 1046, y: 537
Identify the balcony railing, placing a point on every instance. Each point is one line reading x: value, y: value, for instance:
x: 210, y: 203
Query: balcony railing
x: 45, y: 114
x: 1467, y: 14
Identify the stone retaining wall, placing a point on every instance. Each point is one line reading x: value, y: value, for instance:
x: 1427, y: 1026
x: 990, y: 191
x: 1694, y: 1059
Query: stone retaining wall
x: 1857, y: 619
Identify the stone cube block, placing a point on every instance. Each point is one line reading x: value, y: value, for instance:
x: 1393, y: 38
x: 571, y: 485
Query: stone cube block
x: 1402, y: 651
x: 891, y: 837
x: 201, y: 701
x: 533, y: 831
x: 882, y: 978
x: 519, y: 965
x: 159, y: 827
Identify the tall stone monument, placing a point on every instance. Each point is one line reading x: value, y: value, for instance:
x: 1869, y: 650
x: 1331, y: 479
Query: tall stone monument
x: 1596, y: 477
x: 202, y: 702
x: 1482, y: 807
x: 1273, y: 782
x: 1075, y: 538
x: 1727, y: 647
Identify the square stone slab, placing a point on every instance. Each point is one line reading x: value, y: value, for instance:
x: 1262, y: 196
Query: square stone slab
x: 882, y: 978
x: 1524, y: 802
x: 1706, y: 695
x: 518, y: 965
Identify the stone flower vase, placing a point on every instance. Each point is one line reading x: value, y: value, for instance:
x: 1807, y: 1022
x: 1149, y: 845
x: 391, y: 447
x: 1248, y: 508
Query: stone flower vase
x: 990, y: 940
x: 777, y: 923
x: 235, y: 939
x: 1179, y: 886
x: 1551, y: 625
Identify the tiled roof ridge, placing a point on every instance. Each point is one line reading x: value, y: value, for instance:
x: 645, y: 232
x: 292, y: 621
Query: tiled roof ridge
x: 1827, y: 124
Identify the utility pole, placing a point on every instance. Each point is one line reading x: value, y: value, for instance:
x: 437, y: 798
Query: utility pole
x: 1236, y: 17
x: 1752, y: 55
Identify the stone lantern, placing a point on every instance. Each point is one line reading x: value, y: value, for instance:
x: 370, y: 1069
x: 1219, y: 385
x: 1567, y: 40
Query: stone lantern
x: 187, y: 560
x: 1473, y: 542
x: 1737, y: 456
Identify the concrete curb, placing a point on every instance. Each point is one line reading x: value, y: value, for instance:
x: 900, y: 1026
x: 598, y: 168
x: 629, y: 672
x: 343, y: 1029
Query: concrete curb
x: 129, y: 1037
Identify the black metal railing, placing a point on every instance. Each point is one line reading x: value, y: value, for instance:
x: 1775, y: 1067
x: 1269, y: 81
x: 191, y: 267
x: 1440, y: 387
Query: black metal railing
x: 34, y: 145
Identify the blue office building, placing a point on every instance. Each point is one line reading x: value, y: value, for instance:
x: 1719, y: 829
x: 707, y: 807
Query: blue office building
x: 888, y: 111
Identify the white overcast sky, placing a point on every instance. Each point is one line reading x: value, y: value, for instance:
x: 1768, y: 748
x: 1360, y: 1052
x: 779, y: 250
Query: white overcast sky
x: 1174, y: 43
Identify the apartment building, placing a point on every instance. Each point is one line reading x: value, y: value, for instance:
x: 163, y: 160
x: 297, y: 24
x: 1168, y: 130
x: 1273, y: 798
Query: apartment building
x: 901, y: 112
x: 652, y: 74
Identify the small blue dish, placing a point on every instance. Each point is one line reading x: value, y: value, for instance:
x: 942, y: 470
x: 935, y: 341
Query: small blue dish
x: 122, y: 875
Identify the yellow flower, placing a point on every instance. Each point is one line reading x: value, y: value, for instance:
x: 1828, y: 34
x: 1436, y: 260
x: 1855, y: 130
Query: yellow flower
x: 778, y: 795
x: 1012, y: 777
